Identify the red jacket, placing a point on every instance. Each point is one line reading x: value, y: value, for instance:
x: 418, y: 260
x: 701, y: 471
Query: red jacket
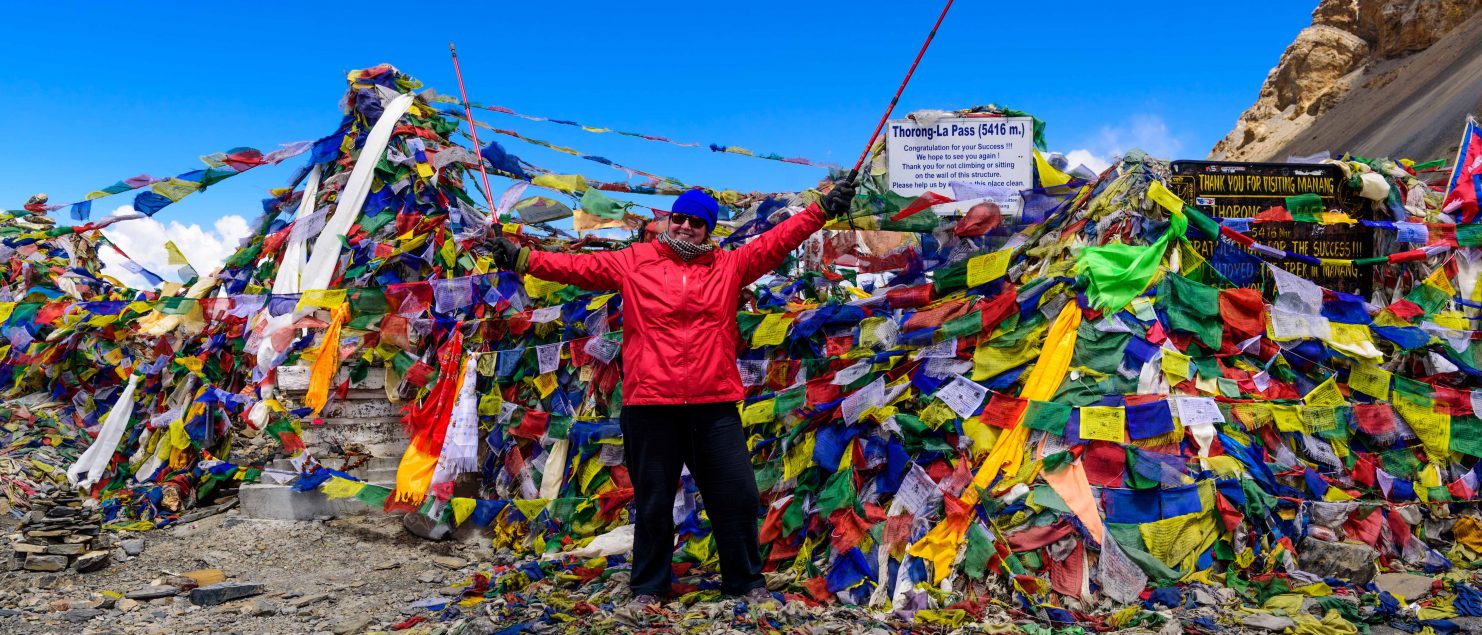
x: 679, y: 318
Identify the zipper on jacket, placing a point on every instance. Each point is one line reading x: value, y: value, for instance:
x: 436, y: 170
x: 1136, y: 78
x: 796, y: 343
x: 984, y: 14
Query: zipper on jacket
x: 684, y: 286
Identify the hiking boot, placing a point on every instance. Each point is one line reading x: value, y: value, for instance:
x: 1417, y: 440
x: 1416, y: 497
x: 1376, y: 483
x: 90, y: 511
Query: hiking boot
x: 644, y: 600
x: 759, y: 595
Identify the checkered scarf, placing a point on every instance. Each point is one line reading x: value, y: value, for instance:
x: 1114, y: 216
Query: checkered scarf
x: 686, y: 250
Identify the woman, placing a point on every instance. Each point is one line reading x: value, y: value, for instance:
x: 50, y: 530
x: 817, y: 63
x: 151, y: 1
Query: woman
x: 680, y: 381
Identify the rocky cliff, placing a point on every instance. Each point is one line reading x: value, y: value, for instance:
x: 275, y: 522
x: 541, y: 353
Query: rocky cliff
x: 1372, y: 77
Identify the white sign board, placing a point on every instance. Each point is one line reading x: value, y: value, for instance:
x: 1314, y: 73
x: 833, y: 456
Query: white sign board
x: 989, y: 152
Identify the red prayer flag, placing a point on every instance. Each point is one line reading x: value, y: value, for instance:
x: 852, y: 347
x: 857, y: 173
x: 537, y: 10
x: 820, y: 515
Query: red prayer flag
x: 922, y: 202
x: 1004, y: 411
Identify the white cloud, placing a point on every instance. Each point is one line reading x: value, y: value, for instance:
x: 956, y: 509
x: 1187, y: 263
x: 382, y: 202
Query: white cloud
x: 1093, y: 162
x: 144, y: 241
x: 1145, y: 132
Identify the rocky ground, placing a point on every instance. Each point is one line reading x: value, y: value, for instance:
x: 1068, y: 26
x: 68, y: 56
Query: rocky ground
x: 341, y: 576
x: 367, y: 574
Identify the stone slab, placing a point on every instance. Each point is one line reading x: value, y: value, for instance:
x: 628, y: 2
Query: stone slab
x: 296, y: 379
x: 1409, y: 586
x: 280, y: 502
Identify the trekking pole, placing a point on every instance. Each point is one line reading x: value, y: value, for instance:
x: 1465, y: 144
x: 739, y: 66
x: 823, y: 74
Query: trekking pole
x: 880, y: 126
x: 854, y: 173
x: 473, y: 132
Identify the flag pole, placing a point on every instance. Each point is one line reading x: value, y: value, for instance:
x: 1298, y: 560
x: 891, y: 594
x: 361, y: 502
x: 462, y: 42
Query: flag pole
x: 880, y: 126
x: 473, y: 132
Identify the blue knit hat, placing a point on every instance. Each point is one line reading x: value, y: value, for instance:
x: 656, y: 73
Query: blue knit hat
x: 698, y: 204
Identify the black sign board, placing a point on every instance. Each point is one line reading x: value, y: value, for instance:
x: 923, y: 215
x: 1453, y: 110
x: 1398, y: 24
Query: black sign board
x: 1243, y: 190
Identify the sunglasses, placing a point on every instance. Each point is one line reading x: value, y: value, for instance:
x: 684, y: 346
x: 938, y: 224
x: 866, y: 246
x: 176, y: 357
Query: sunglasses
x: 685, y: 219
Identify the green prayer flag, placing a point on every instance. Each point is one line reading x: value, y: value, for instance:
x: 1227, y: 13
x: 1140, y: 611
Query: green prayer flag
x: 792, y: 519
x: 175, y: 305
x: 952, y: 278
x: 557, y: 427
x: 402, y: 362
x: 1048, y: 416
x: 1203, y: 224
x: 963, y: 325
x: 1419, y: 392
x: 1469, y: 235
x: 837, y: 493
x: 1193, y: 308
x: 1098, y: 350
x: 1304, y: 204
x: 1466, y: 435
x: 373, y: 223
x: 373, y: 495
x: 747, y: 323
x: 979, y: 549
x: 596, y: 203
x: 786, y: 402
x: 1115, y: 274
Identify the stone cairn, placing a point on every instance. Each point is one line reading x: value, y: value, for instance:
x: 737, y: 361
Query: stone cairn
x: 59, y: 532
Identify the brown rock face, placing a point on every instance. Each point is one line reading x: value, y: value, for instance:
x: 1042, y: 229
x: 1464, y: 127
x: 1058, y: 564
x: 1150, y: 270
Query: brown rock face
x: 1313, y: 66
x: 1400, y: 27
x: 1354, y: 48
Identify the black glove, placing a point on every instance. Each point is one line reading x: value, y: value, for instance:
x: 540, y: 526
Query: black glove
x: 836, y: 203
x: 506, y: 254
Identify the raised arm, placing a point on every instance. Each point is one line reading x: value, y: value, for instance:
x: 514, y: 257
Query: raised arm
x: 766, y: 251
x: 601, y: 271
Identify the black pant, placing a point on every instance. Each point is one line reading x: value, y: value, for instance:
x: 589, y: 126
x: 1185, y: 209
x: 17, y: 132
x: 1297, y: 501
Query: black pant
x: 657, y: 441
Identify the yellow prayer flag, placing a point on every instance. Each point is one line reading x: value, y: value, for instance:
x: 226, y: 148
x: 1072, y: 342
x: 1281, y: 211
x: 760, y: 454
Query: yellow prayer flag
x: 537, y: 288
x: 173, y: 255
x: 1433, y: 428
x: 531, y: 507
x: 1165, y: 198
x: 599, y: 301
x: 590, y: 468
x: 545, y: 383
x: 1104, y: 423
x: 1179, y: 541
x: 763, y: 411
x: 175, y: 188
x: 772, y: 331
x: 982, y: 435
x: 1439, y: 280
x: 988, y: 267
x: 798, y: 458
x: 1325, y: 394
x: 412, y: 242
x: 561, y: 182
x: 1452, y: 320
x: 337, y: 487
x: 1176, y: 366
x: 449, y: 253
x: 1336, y: 495
x: 1370, y: 380
x: 583, y: 222
x: 936, y: 413
x: 1049, y: 175
x: 462, y: 508
x: 1288, y: 417
x: 6, y: 308
x: 321, y: 298
x: 1355, y: 340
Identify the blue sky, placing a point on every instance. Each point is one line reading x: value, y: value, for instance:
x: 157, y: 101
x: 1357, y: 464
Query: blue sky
x: 98, y: 92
